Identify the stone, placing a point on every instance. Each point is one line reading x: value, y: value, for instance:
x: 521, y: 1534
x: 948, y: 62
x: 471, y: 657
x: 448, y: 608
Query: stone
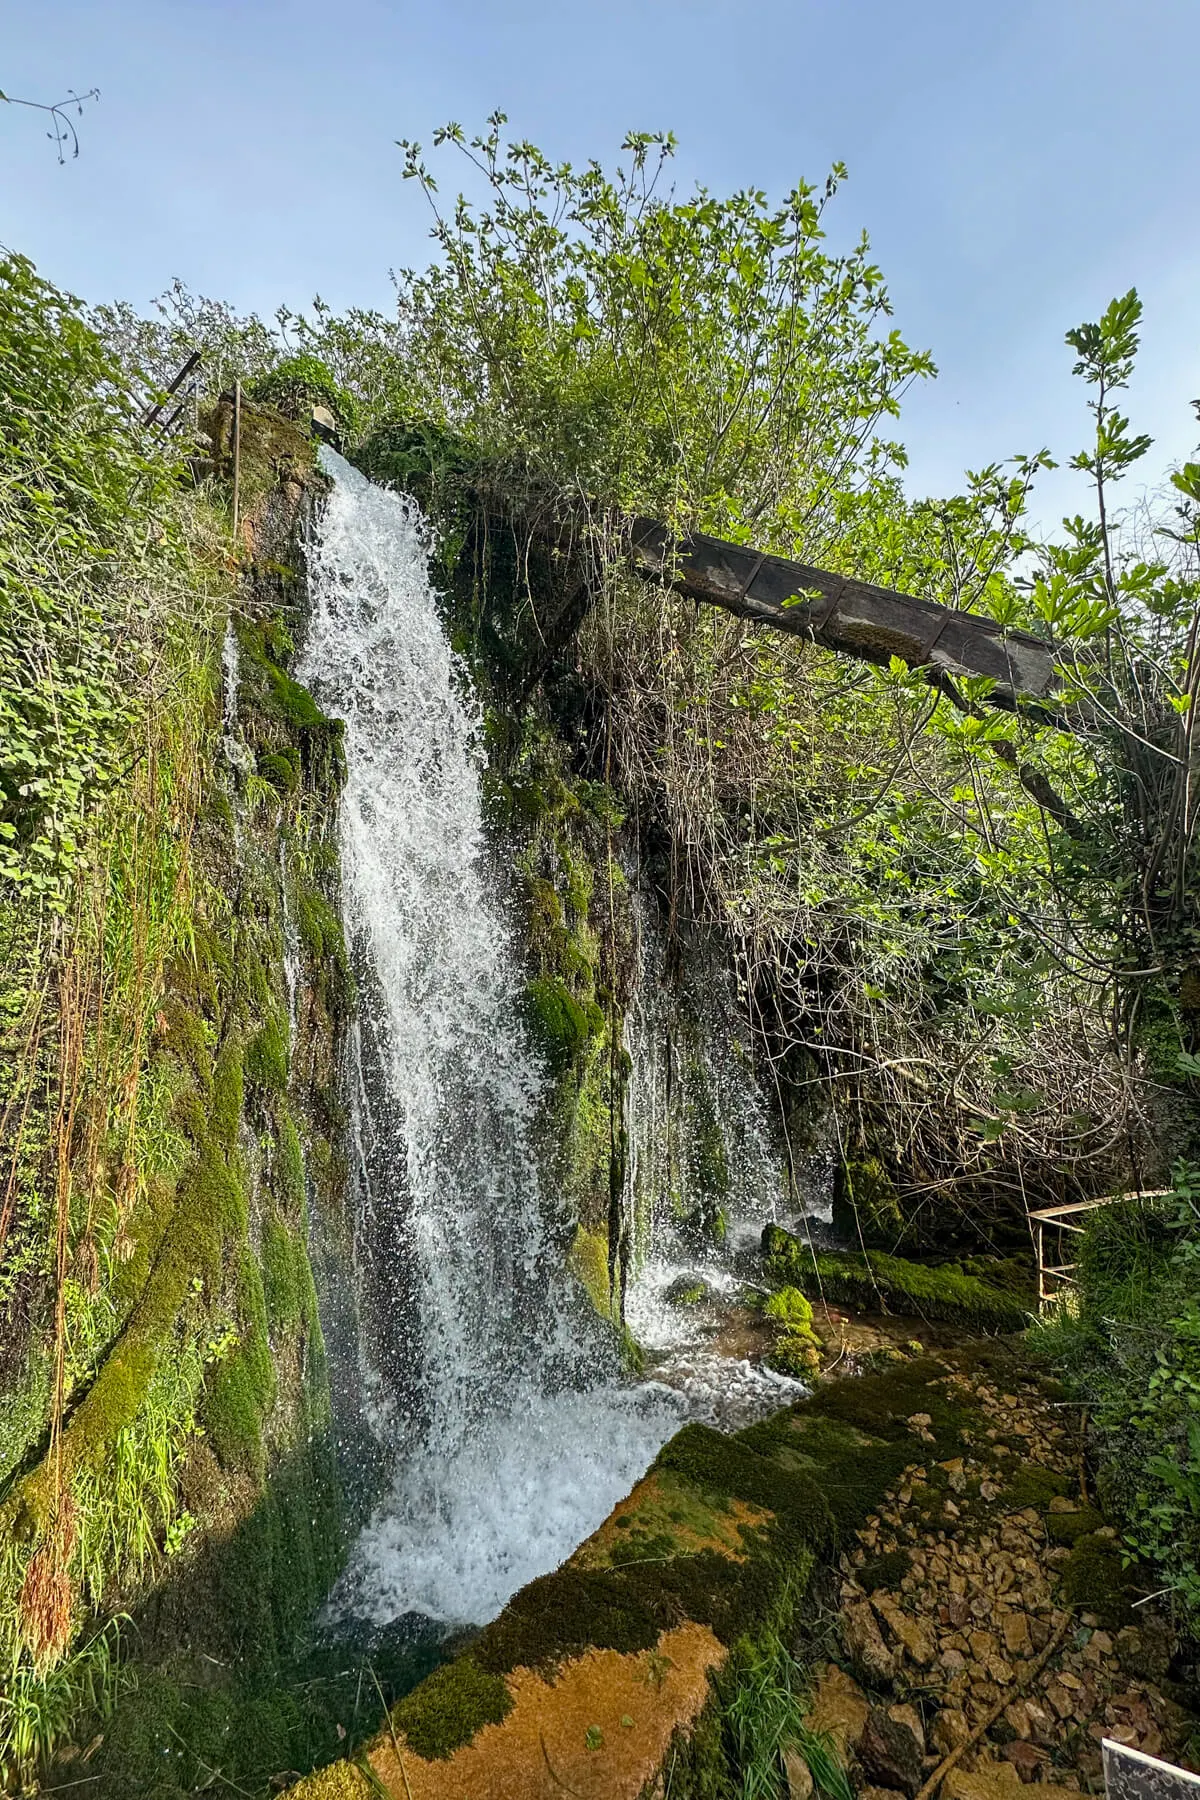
x: 1060, y: 1699
x: 798, y: 1776
x: 910, y: 1717
x: 839, y: 1708
x: 864, y: 1643
x: 889, y: 1753
x: 915, y: 1636
x: 1016, y: 1717
x: 949, y: 1730
x: 1027, y: 1759
x: 986, y: 1781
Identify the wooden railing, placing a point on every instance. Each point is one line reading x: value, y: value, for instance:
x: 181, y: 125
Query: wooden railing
x: 1059, y: 1219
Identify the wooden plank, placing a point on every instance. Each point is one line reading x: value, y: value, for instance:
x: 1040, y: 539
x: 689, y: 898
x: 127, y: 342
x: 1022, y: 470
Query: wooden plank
x: 854, y: 617
x: 1052, y: 1213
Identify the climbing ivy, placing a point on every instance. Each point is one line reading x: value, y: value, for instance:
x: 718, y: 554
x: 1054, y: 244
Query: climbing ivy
x: 85, y: 520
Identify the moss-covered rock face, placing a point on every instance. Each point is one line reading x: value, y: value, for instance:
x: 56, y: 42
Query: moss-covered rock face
x: 873, y: 1282
x: 196, y: 1449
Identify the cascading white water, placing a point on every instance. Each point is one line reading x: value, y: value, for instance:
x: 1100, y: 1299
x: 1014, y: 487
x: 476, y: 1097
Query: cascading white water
x: 702, y: 1142
x: 511, y: 1432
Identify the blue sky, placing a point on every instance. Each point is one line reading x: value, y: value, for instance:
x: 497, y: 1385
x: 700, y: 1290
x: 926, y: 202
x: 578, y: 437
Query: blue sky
x: 1014, y: 164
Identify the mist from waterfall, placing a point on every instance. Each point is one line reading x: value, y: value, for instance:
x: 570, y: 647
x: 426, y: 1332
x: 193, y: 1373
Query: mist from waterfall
x: 494, y: 1394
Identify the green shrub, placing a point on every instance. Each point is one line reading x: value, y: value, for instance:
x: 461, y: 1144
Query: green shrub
x: 1132, y: 1353
x: 297, y: 384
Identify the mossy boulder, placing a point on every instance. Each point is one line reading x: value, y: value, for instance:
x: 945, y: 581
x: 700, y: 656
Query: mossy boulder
x: 687, y: 1290
x: 872, y: 1282
x: 789, y: 1309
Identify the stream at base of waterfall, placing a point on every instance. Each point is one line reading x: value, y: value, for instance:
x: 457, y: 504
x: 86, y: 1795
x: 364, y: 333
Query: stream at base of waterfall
x: 495, y: 1395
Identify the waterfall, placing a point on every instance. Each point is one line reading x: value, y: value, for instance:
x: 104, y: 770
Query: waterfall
x: 509, y: 1430
x: 705, y: 1172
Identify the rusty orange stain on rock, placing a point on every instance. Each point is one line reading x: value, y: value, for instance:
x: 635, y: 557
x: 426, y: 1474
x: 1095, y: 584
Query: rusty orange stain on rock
x: 598, y: 1728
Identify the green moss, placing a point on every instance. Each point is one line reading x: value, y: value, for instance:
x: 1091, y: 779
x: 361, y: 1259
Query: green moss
x: 1094, y: 1580
x: 450, y: 1706
x: 281, y: 768
x: 243, y: 1387
x: 340, y: 1781
x: 559, y: 1024
x: 734, y: 1468
x: 587, y: 1260
x: 267, y: 1057
x: 290, y: 1164
x: 795, y: 1353
x: 788, y: 1307
x: 281, y: 1275
x: 1032, y: 1484
x: 232, y: 1416
x: 112, y: 1402
x: 687, y: 1290
x: 227, y: 1097
x: 269, y: 687
x: 886, y: 1571
x: 874, y: 1282
x: 627, y: 1608
x: 186, y: 1033
x: 321, y: 934
x: 1069, y: 1527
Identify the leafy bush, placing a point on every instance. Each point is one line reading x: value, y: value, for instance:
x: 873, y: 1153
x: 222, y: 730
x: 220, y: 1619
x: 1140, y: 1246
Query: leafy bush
x: 84, y: 517
x: 299, y: 383
x: 1132, y: 1351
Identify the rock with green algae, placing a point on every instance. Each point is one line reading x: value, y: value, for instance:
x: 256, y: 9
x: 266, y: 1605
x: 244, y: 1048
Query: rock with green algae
x: 873, y: 1282
x: 789, y: 1308
x: 687, y: 1290
x: 796, y: 1351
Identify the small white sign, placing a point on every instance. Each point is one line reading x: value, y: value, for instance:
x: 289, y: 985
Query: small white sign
x: 1132, y: 1775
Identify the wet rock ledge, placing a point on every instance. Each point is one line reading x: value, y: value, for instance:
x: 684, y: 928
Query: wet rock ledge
x: 981, y: 1634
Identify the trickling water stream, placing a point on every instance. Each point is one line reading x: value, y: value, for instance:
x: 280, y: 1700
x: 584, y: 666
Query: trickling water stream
x: 705, y: 1172
x: 510, y: 1431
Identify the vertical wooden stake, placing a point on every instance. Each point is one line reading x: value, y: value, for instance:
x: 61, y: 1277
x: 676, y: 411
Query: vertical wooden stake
x: 237, y: 450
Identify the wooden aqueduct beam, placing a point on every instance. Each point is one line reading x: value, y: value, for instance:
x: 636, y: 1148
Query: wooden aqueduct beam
x: 854, y: 617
